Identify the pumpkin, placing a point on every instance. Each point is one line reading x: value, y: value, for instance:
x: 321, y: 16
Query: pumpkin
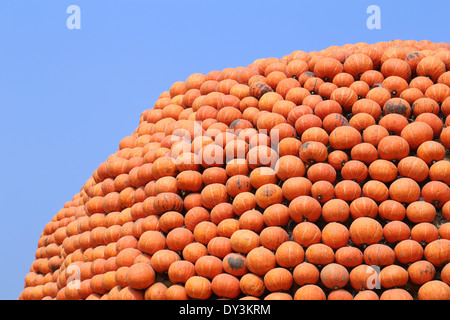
x: 198, y: 287
x: 363, y: 207
x: 312, y: 152
x: 383, y: 170
x: 335, y: 235
x: 178, y: 238
x: 226, y: 285
x: 354, y: 170
x: 364, y: 152
x: 252, y: 285
x: 365, y: 231
x: 260, y: 260
x: 393, y: 148
x: 363, y: 277
x: 431, y: 152
x: 357, y: 64
x: 289, y: 254
x: 140, y: 276
x: 436, y: 192
x: 306, y: 233
x: 434, y: 290
x: 416, y: 133
x: 319, y: 254
x: 408, y: 251
x: 431, y: 67
x: 321, y: 171
x: 420, y: 211
x: 334, y: 120
x: 367, y: 106
x: 305, y: 208
x: 396, y: 85
x: 404, y: 190
x: 208, y: 266
x: 295, y: 187
x: 433, y: 121
x: 437, y: 252
x: 324, y: 108
x: 349, y: 256
x: 334, y: 276
x: 396, y: 67
x: 309, y: 292
x: 439, y: 171
x: 344, y: 137
x: 379, y: 255
x: 244, y: 240
x: 414, y: 168
x: 328, y: 68
x: 306, y: 273
x: 151, y: 242
x: 290, y: 166
x: 375, y: 190
x: 276, y: 215
x: 278, y: 279
x: 445, y: 274
x: 322, y: 191
x: 366, y: 295
x: 343, y: 80
x: 421, y: 272
x: 336, y: 210
x: 396, y: 294
x: 396, y: 231
x: 337, y: 159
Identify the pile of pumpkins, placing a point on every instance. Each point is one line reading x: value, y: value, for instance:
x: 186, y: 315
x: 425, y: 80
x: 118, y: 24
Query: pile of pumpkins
x: 317, y: 175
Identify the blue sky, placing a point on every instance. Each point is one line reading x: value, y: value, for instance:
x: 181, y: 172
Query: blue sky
x: 67, y: 97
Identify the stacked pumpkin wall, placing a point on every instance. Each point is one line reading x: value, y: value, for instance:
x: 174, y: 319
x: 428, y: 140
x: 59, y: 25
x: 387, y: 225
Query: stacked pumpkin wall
x: 316, y: 175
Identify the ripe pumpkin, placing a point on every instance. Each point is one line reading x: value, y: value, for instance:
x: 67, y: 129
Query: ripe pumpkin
x: 252, y: 285
x: 434, y: 290
x: 414, y: 168
x: 393, y: 148
x: 436, y: 192
x: 396, y: 294
x: 437, y: 252
x: 344, y: 137
x: 309, y: 292
x: 421, y: 272
x: 335, y: 235
x: 198, y: 287
x: 408, y: 251
x: 334, y: 276
x: 306, y: 233
x: 365, y: 231
x: 289, y: 254
x: 260, y: 260
x: 226, y: 286
x: 349, y: 256
x: 396, y: 231
x: 379, y: 254
x: 305, y: 208
x: 420, y: 211
x: 404, y: 190
x: 278, y: 279
x: 306, y: 273
x: 319, y: 254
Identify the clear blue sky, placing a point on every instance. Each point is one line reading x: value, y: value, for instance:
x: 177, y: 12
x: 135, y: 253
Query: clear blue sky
x: 67, y: 97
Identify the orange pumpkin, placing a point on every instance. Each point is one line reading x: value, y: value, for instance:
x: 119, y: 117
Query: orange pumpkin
x: 396, y: 231
x: 434, y: 290
x: 365, y: 231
